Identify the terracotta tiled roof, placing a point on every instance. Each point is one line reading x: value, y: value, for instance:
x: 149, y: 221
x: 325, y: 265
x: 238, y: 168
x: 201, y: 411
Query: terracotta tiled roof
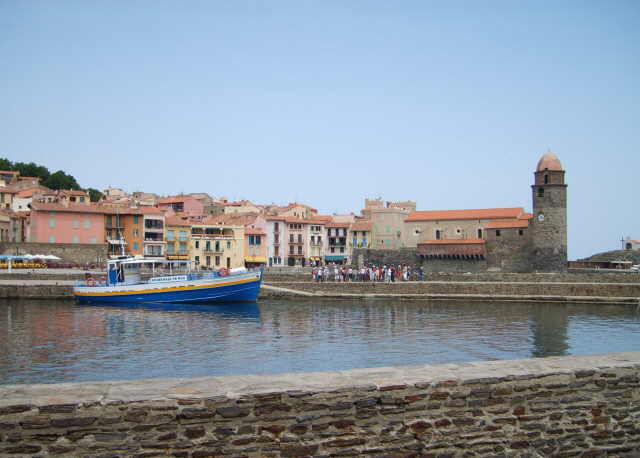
x: 519, y: 223
x: 174, y: 221
x: 446, y: 215
x: 45, y: 206
x: 321, y: 218
x: 276, y: 218
x: 453, y: 242
x: 174, y: 199
x: 8, y: 191
x: 526, y: 216
x: 151, y: 211
x: 362, y: 226
x: 26, y: 193
x: 252, y: 231
x: 452, y: 247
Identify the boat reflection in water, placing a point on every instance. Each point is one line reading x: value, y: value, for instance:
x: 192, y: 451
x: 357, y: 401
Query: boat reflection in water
x: 235, y: 309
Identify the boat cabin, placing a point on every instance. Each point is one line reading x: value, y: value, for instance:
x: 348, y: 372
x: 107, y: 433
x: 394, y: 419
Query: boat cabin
x: 132, y: 271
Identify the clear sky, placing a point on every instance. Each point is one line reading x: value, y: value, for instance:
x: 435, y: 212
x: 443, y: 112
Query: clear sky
x: 447, y: 103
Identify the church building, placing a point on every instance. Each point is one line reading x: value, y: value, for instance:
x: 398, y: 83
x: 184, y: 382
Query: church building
x: 498, y: 239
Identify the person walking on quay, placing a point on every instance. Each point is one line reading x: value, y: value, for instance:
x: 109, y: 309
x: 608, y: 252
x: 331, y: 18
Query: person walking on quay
x: 421, y: 273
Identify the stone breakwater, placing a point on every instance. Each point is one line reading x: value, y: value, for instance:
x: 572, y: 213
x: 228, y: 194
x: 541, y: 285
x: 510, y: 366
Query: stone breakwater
x: 567, y: 406
x: 597, y: 292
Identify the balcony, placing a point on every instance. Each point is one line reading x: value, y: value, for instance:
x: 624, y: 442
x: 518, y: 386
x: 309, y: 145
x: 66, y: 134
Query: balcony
x: 213, y: 251
x: 301, y: 255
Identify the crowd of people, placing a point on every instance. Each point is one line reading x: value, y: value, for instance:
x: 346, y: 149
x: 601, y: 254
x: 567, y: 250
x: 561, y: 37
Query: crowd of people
x: 385, y: 274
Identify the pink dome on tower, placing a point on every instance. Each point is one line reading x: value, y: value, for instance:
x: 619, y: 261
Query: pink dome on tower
x: 549, y: 162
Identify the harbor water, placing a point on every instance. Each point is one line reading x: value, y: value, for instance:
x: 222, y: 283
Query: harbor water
x: 59, y: 341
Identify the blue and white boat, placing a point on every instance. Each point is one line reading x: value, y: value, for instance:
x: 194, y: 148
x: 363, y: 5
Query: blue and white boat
x: 132, y: 280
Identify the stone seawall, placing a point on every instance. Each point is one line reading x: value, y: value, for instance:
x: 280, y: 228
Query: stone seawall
x: 568, y: 406
x: 626, y: 292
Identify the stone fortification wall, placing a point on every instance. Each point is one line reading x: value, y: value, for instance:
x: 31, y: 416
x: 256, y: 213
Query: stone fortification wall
x: 554, y: 406
x: 488, y: 290
x: 74, y: 253
x: 511, y: 251
x: 564, y: 277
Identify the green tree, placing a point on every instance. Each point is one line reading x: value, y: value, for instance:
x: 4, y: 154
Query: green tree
x: 94, y: 194
x: 5, y: 164
x: 60, y: 180
x: 32, y: 170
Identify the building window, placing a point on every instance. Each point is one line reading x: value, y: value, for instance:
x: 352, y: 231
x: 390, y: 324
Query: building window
x: 75, y: 239
x: 183, y: 247
x: 341, y: 249
x: 299, y: 238
x: 217, y: 260
x: 497, y: 232
x: 520, y: 231
x: 93, y: 240
x: 197, y: 244
x: 170, y: 248
x: 136, y: 219
x: 437, y: 234
x: 197, y: 259
x: 299, y: 250
x: 217, y: 245
x: 183, y: 236
x: 136, y: 246
x: 136, y: 233
x: 52, y: 222
x: 170, y: 236
x: 52, y: 239
x: 208, y: 260
x: 81, y: 199
x: 333, y: 250
x: 458, y: 230
x: 290, y: 238
x: 479, y: 233
x: 87, y: 223
x: 276, y: 227
x: 228, y: 245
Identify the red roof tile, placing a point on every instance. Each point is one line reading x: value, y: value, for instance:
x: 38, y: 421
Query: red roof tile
x: 253, y: 231
x: 362, y: 226
x: 453, y: 242
x: 446, y: 215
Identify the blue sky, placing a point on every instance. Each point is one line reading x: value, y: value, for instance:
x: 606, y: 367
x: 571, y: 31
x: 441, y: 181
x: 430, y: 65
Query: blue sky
x: 450, y: 104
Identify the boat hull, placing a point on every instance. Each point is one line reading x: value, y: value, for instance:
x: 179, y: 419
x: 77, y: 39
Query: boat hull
x: 228, y: 289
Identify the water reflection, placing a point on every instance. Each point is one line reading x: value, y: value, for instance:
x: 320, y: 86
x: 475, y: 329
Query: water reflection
x: 45, y: 342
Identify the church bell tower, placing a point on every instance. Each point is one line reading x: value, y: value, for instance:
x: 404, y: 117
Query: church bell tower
x: 549, y: 234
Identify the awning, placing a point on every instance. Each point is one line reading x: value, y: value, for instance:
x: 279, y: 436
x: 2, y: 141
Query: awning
x: 116, y: 242
x: 463, y: 247
x: 334, y: 258
x: 177, y: 257
x: 261, y: 259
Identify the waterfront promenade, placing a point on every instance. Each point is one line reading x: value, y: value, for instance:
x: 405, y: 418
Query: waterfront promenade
x: 567, y: 288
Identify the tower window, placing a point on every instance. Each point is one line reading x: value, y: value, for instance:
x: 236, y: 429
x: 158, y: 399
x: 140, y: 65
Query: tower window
x: 541, y: 191
x: 546, y: 179
x: 497, y: 232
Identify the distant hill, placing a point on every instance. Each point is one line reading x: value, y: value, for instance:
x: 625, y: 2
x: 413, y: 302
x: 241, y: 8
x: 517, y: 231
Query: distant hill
x: 615, y: 255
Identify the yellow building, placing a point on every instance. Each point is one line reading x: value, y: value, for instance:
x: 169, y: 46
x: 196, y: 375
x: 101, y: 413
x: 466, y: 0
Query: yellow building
x: 214, y: 246
x: 178, y: 238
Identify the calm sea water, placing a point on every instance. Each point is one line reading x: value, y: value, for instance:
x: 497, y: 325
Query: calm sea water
x: 58, y: 341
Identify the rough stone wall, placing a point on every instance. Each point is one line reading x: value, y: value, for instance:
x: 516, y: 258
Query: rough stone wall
x: 74, y: 253
x: 549, y: 236
x: 454, y: 265
x: 488, y: 289
x: 509, y: 252
x: 585, y: 406
x: 408, y: 256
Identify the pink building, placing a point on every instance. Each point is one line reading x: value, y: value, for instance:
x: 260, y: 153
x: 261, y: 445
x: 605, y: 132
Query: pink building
x: 57, y: 223
x: 181, y: 204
